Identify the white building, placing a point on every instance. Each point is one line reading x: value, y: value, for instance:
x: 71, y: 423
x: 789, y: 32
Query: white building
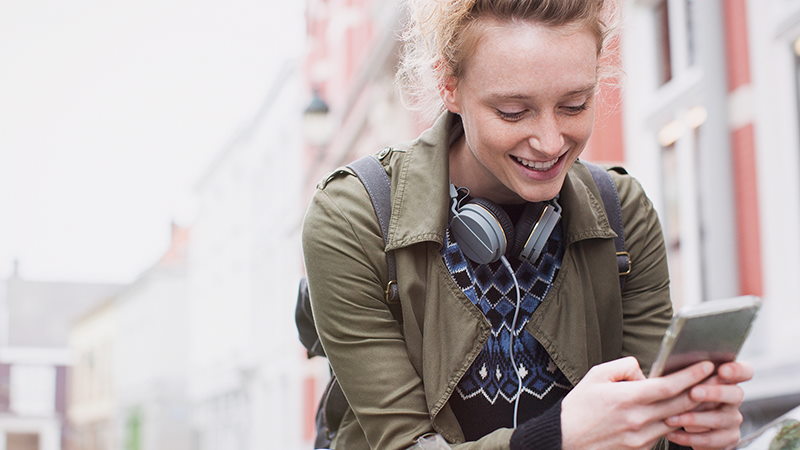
x: 248, y: 368
x: 129, y: 389
x: 91, y: 396
x: 151, y: 356
x: 35, y: 360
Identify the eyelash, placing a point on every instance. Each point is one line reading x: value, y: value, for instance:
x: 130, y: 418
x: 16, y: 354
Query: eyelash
x: 570, y: 110
x: 574, y: 110
x: 511, y: 116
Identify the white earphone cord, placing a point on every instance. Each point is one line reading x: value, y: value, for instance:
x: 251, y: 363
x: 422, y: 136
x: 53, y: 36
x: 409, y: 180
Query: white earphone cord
x: 511, y: 340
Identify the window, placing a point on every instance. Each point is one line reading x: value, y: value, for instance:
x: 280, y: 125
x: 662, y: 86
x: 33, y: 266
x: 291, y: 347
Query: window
x: 681, y: 169
x: 663, y: 45
x: 33, y: 389
x: 674, y: 39
x: 21, y: 441
x: 672, y: 219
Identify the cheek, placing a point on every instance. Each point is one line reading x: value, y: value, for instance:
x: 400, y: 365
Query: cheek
x: 500, y: 137
x: 581, y: 130
x: 487, y: 137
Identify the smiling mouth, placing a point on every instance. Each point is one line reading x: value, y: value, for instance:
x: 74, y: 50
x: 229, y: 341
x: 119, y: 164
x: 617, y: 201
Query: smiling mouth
x: 541, y: 166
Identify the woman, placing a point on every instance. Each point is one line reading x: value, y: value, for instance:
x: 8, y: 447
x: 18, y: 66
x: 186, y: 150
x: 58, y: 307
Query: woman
x: 543, y: 352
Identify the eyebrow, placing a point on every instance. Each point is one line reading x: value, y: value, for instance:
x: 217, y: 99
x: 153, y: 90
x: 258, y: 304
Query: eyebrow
x: 517, y: 96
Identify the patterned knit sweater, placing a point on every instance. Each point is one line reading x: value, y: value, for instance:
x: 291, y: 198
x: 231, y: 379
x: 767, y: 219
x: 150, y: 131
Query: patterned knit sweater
x: 484, y: 398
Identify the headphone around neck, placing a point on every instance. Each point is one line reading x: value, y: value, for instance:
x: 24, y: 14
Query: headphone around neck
x: 485, y: 232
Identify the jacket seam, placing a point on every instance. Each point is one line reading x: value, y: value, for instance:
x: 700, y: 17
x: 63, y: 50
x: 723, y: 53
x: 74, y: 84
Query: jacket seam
x: 400, y: 197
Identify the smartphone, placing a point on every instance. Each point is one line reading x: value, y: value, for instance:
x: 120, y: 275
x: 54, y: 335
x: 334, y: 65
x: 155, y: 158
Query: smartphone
x: 710, y: 331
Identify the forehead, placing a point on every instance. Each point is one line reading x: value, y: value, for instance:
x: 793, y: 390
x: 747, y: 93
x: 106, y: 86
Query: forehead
x: 516, y: 56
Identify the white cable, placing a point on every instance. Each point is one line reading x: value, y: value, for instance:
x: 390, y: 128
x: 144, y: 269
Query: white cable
x: 511, y: 340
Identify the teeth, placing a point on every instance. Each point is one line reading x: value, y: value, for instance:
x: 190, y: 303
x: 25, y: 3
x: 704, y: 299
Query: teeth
x: 537, y: 165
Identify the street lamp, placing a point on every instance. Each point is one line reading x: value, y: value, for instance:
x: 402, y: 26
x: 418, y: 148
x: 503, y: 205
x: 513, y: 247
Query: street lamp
x: 317, y: 123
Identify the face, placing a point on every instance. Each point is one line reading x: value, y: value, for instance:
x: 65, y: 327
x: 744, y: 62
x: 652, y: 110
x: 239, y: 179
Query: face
x: 525, y: 98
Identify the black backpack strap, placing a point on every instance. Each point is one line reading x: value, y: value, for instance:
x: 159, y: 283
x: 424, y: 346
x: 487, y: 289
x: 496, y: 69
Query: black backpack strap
x: 608, y: 192
x: 375, y: 180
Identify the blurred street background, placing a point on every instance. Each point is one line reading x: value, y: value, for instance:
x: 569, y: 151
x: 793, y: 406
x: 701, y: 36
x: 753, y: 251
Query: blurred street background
x: 156, y: 159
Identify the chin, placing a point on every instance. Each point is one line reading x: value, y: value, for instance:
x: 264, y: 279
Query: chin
x: 541, y: 195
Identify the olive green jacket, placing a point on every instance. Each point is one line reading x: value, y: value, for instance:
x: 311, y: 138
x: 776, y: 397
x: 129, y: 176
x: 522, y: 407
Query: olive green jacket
x: 398, y: 378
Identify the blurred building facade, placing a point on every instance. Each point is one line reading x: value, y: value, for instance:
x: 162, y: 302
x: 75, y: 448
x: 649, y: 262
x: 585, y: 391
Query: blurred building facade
x: 247, y: 366
x: 35, y: 361
x: 705, y: 116
x: 91, y: 397
x: 200, y: 351
x: 150, y: 354
x: 768, y: 81
x: 711, y: 128
x: 350, y: 61
x: 128, y: 387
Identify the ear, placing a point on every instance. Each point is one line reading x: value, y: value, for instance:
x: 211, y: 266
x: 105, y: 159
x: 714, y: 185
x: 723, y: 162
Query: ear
x: 448, y: 91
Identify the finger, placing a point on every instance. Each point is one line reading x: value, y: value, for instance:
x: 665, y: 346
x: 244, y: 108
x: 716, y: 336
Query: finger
x: 706, y: 406
x: 734, y: 372
x: 647, y: 435
x: 673, y: 406
x: 718, y: 419
x: 726, y: 394
x: 724, y: 438
x: 660, y: 388
x: 712, y: 380
x: 623, y: 369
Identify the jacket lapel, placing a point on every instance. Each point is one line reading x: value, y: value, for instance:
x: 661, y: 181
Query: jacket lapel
x: 419, y: 206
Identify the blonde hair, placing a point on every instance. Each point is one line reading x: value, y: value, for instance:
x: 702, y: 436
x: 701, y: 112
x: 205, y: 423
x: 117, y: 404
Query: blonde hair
x: 439, y: 36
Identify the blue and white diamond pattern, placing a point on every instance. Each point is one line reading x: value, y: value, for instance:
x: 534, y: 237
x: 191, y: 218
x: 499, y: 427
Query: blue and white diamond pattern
x: 491, y: 288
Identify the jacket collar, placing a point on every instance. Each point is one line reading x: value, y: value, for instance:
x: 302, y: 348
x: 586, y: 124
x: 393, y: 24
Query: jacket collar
x: 421, y: 196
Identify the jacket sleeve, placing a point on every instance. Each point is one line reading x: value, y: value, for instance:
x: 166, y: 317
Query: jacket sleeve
x: 646, y: 304
x: 345, y: 264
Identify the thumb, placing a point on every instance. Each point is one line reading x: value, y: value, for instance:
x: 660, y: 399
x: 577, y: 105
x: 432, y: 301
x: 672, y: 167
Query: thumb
x: 623, y: 369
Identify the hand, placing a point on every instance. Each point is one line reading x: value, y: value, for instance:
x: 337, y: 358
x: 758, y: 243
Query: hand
x: 616, y: 407
x: 715, y: 424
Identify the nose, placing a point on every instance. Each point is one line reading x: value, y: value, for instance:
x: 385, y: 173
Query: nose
x: 546, y: 137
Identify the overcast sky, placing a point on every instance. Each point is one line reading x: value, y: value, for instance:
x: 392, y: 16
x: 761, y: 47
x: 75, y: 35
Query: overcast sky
x: 110, y: 110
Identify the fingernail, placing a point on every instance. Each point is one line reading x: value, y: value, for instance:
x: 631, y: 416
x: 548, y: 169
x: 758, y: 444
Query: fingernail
x: 708, y: 367
x: 699, y: 393
x: 726, y: 371
x: 673, y: 421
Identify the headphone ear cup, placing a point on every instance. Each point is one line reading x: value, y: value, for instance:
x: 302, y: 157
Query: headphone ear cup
x: 482, y: 230
x: 524, y: 228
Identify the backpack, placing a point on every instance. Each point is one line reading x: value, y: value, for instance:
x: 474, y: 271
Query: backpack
x: 333, y: 404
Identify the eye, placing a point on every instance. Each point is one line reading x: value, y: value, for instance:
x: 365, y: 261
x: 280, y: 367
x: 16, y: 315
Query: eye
x: 511, y: 116
x: 575, y: 110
